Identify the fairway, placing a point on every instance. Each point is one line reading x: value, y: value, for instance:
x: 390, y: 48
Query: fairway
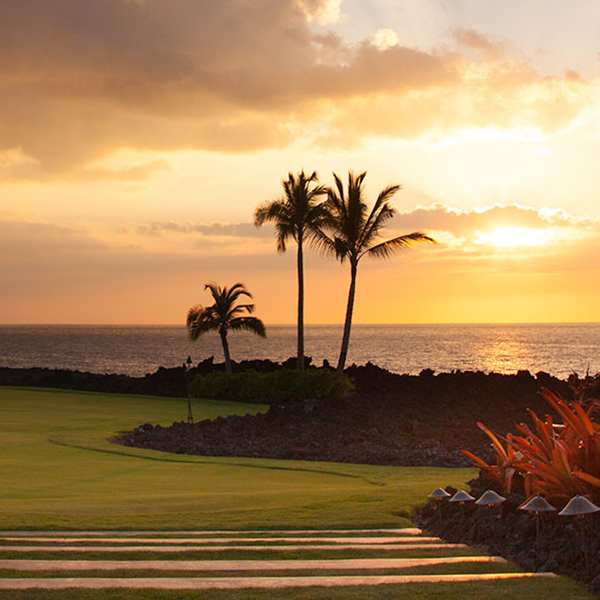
x: 61, y: 472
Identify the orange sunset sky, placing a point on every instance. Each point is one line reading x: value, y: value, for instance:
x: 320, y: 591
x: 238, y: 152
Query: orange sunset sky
x: 138, y: 136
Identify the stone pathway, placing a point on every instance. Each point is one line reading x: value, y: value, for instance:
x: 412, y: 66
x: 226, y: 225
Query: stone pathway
x: 229, y: 583
x: 219, y: 548
x: 240, y: 565
x: 268, y: 573
x: 229, y: 540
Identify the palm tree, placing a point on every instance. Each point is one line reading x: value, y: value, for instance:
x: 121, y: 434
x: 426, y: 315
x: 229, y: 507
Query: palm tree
x: 354, y: 233
x: 295, y: 215
x: 224, y: 315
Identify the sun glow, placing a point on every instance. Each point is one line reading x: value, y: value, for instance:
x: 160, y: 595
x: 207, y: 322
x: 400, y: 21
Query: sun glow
x: 510, y: 237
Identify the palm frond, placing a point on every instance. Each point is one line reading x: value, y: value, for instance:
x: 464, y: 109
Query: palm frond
x: 387, y: 248
x: 235, y: 291
x: 214, y: 289
x: 322, y: 242
x: 201, y: 320
x: 224, y: 314
x: 295, y: 212
x: 251, y: 324
x: 269, y: 211
x: 342, y: 249
x: 193, y: 315
x: 381, y: 212
x: 240, y: 309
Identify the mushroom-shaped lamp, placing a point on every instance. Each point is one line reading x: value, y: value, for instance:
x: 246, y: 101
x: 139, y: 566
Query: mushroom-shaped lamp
x: 439, y: 493
x: 578, y: 505
x: 490, y: 498
x: 461, y: 497
x: 537, y: 504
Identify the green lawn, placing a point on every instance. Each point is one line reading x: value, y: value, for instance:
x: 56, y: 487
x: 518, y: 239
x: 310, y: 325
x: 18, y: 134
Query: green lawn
x: 59, y: 471
x: 520, y: 589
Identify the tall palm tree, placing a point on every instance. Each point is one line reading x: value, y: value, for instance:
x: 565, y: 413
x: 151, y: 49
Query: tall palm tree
x: 295, y: 215
x: 224, y: 316
x: 353, y: 233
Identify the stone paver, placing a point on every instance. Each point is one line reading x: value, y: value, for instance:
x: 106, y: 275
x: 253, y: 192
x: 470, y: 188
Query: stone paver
x: 401, y: 531
x: 120, y: 543
x: 225, y: 540
x: 239, y: 565
x: 197, y: 548
x: 172, y: 583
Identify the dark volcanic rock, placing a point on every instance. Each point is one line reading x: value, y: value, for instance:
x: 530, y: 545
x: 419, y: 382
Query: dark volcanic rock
x: 512, y: 533
x: 164, y: 382
x: 392, y: 420
x: 169, y: 382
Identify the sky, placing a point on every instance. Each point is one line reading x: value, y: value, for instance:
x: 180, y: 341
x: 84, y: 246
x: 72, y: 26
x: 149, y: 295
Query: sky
x: 138, y: 136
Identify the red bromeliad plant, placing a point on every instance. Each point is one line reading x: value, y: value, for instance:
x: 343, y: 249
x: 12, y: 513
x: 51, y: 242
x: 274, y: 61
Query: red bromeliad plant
x: 503, y: 472
x: 557, y: 461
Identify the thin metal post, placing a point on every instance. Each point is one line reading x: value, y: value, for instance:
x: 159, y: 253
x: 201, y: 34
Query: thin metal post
x: 187, y: 366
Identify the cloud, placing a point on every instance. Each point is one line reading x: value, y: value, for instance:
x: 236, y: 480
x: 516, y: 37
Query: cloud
x: 468, y: 38
x: 22, y: 239
x: 234, y: 230
x: 495, y: 236
x: 53, y: 273
x: 80, y: 81
x: 442, y: 217
x: 44, y: 255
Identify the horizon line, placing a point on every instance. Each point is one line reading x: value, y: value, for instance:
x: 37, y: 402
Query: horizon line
x: 438, y: 323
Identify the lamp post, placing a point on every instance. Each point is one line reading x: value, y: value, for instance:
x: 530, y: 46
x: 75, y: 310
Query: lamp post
x: 461, y: 497
x: 580, y: 506
x: 537, y: 505
x: 491, y: 499
x: 439, y: 495
x: 187, y: 365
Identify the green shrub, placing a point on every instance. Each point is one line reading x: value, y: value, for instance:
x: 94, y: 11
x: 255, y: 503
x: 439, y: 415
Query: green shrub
x: 279, y: 387
x: 247, y: 386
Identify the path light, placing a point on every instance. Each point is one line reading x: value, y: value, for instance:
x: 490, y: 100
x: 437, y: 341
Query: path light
x: 580, y: 506
x: 187, y: 365
x: 439, y: 494
x: 537, y: 505
x: 491, y: 499
x: 461, y: 497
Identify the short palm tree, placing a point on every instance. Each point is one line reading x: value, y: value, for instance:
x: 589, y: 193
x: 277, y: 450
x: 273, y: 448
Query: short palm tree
x: 295, y: 215
x: 224, y: 316
x: 353, y: 233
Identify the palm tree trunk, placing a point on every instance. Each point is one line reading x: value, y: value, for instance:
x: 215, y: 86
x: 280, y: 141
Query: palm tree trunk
x: 225, y: 343
x: 300, y: 258
x: 348, y: 323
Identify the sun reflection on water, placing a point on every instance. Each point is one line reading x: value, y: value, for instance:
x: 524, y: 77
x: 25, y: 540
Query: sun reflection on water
x: 504, y: 355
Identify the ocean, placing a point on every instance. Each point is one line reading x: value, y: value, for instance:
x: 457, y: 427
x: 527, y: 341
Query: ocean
x: 558, y: 349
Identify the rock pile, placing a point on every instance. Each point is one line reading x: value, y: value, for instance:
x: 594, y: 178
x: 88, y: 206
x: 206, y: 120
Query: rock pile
x: 391, y: 420
x: 507, y: 531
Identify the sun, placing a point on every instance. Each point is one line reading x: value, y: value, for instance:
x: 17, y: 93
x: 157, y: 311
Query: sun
x: 511, y: 237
